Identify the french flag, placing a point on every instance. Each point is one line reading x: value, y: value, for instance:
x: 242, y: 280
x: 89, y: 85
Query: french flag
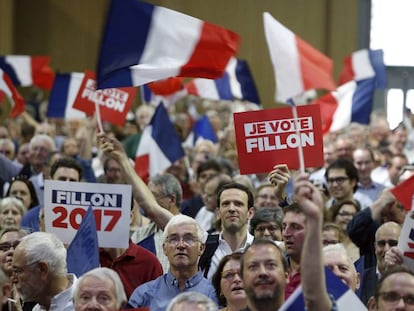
x: 298, y: 66
x: 8, y: 90
x: 83, y: 251
x: 202, y: 129
x: 345, y: 298
x: 159, y: 146
x: 242, y: 84
x: 218, y: 89
x: 351, y: 102
x: 364, y: 64
x: 63, y: 94
x: 28, y: 70
x: 144, y: 43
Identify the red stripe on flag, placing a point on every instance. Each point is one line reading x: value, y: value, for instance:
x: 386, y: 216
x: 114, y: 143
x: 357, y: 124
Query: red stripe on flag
x: 404, y: 192
x: 166, y: 87
x: 347, y: 73
x: 191, y: 88
x: 17, y: 99
x: 42, y: 74
x: 142, y: 167
x: 315, y: 66
x: 328, y: 106
x: 212, y: 53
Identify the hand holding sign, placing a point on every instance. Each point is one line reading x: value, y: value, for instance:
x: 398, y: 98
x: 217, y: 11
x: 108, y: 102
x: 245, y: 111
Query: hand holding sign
x: 279, y: 177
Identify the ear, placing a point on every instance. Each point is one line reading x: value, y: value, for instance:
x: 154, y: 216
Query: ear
x: 202, y: 248
x: 358, y: 280
x: 164, y: 248
x: 372, y: 304
x: 43, y: 268
x: 250, y: 212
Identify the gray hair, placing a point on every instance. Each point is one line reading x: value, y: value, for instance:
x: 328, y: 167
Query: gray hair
x: 194, y: 299
x: 45, y: 138
x: 44, y: 246
x: 104, y: 274
x: 338, y: 248
x: 185, y: 220
x: 170, y: 186
x: 12, y: 201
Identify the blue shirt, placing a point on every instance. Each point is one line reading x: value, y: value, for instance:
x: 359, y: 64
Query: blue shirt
x: 158, y: 293
x: 366, y: 195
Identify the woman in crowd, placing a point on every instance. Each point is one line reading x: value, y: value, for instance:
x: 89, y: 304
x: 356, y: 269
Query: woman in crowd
x: 229, y: 285
x: 22, y: 188
x: 11, y: 212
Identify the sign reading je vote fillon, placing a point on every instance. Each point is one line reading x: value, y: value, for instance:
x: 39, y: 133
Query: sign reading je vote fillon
x: 272, y: 136
x: 114, y: 103
x: 66, y: 204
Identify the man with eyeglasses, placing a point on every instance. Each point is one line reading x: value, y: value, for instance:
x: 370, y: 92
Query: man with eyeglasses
x: 40, y: 273
x: 184, y: 242
x: 342, y: 178
x: 386, y: 237
x: 395, y: 291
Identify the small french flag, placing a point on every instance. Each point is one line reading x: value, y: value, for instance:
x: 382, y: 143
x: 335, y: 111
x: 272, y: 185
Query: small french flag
x: 159, y: 147
x: 63, y: 94
x: 144, y: 43
x: 28, y: 70
x: 345, y: 298
x: 364, y: 64
x: 298, y: 66
x: 7, y: 90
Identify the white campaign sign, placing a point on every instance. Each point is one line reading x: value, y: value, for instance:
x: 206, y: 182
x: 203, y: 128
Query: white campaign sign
x: 66, y: 204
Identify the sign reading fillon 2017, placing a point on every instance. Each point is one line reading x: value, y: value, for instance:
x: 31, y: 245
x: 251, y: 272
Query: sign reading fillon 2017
x: 272, y: 136
x: 66, y: 204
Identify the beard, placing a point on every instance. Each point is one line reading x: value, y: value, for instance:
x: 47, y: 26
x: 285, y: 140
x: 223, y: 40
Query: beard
x: 266, y: 297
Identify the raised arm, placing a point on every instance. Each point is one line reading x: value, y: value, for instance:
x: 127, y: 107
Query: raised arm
x: 312, y: 269
x: 144, y: 197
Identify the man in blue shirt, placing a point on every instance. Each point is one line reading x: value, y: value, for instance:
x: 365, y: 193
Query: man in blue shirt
x: 184, y: 242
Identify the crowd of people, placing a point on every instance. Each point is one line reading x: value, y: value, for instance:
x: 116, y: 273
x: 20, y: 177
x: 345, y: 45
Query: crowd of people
x: 202, y: 236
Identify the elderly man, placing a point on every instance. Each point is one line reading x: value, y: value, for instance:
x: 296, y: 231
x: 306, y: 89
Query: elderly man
x: 192, y: 301
x: 40, y: 273
x: 99, y: 289
x: 184, y: 242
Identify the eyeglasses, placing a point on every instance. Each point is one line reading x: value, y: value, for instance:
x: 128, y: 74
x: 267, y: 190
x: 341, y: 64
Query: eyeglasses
x: 19, y: 270
x: 229, y: 275
x: 262, y: 229
x: 5, y: 246
x: 329, y: 242
x: 394, y: 298
x: 187, y: 240
x: 338, y: 180
x: 391, y: 243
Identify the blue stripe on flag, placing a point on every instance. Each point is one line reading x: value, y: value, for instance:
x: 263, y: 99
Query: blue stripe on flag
x: 245, y: 78
x: 223, y: 87
x: 203, y: 128
x: 59, y: 96
x: 165, y: 135
x: 121, y: 38
x: 377, y: 62
x: 362, y: 101
x: 7, y: 68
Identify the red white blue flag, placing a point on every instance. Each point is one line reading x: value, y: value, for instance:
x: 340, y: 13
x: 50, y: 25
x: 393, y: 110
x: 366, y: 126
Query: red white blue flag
x: 28, y: 70
x: 63, y: 94
x: 144, y: 43
x: 9, y: 92
x: 298, y: 66
x: 159, y: 147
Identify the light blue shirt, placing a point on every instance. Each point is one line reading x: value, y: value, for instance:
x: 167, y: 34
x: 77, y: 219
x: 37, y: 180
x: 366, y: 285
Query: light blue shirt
x: 158, y: 293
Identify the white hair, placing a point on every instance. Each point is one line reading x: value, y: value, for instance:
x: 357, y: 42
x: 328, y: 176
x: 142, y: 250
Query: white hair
x: 104, y: 274
x: 43, y: 138
x: 44, y: 246
x: 181, y: 219
x: 194, y: 299
x: 5, y: 202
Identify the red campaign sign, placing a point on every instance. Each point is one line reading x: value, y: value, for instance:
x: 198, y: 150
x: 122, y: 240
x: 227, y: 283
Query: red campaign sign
x: 114, y: 103
x: 268, y: 137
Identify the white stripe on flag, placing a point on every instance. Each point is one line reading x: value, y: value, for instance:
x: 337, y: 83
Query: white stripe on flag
x: 73, y: 88
x: 344, y: 96
x: 178, y: 53
x: 285, y: 59
x: 361, y: 65
x: 349, y: 301
x: 235, y: 86
x: 23, y: 68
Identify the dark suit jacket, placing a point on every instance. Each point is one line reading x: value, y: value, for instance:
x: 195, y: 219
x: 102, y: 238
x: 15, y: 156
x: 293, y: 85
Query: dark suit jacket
x: 368, y: 283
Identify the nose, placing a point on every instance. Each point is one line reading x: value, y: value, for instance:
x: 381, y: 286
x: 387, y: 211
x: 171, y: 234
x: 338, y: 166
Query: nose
x: 266, y: 232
